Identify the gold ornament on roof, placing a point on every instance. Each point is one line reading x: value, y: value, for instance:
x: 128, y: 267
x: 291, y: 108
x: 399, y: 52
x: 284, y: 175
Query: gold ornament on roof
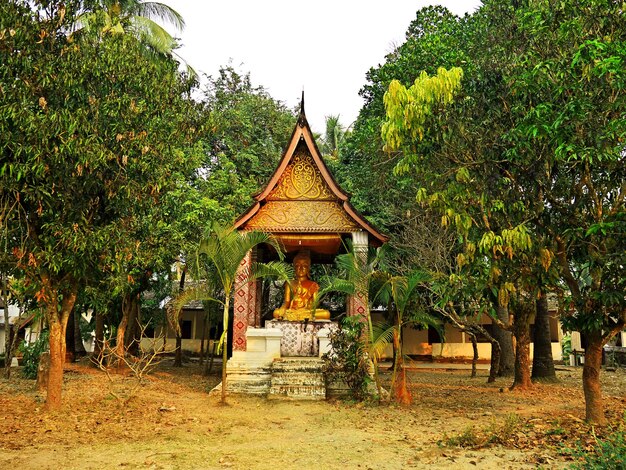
x: 302, y: 216
x: 301, y: 180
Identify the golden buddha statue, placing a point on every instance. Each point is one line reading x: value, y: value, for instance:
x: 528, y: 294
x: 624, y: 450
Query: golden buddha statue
x: 301, y: 294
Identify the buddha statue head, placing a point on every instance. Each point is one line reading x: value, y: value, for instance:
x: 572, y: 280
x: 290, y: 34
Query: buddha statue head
x: 302, y: 265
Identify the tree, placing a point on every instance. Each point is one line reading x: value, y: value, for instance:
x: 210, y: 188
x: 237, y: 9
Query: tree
x: 224, y: 249
x: 134, y: 17
x: 248, y: 132
x: 472, y: 205
x: 333, y: 137
x: 570, y: 86
x: 434, y: 38
x: 399, y: 292
x: 546, y: 180
x: 92, y: 131
x: 543, y: 364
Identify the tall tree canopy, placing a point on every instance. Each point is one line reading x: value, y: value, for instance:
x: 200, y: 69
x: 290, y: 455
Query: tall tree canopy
x: 528, y: 160
x: 94, y: 133
x: 248, y: 131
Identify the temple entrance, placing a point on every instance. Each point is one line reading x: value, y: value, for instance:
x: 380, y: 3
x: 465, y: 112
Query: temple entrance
x: 312, y: 218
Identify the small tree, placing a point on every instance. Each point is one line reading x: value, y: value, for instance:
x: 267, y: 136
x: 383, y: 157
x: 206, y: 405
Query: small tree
x: 398, y: 292
x: 225, y: 249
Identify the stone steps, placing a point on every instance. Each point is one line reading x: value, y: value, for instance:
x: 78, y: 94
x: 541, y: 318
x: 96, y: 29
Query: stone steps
x: 298, y: 378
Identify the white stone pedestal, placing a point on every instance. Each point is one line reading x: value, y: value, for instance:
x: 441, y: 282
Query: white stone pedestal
x: 250, y: 371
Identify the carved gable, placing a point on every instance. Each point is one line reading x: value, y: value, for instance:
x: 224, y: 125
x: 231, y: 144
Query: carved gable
x: 302, y: 201
x: 301, y: 180
x: 303, y: 198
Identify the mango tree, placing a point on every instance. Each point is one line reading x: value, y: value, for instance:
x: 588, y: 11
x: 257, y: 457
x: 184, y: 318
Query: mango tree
x: 91, y: 130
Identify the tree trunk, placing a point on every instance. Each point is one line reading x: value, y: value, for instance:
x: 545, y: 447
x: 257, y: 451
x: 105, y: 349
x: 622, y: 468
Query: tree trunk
x: 43, y: 371
x: 475, y: 349
x: 120, y: 350
x: 225, y: 347
x: 495, y: 361
x: 8, y: 350
x: 57, y: 359
x: 131, y: 336
x: 57, y: 315
x: 521, y: 330
x: 99, y: 335
x: 543, y: 364
x: 178, y: 355
x: 79, y: 347
x: 591, y: 379
x: 205, y: 320
x: 504, y: 339
x: 70, y: 341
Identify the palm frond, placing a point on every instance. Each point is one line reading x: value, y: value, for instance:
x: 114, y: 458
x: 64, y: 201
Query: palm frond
x: 174, y: 308
x: 330, y: 284
x: 160, y: 11
x: 272, y: 269
x: 382, y: 338
x: 152, y: 34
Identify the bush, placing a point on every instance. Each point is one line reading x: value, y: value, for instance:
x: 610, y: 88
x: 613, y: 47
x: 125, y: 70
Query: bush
x: 608, y: 454
x: 346, y: 361
x: 31, y: 353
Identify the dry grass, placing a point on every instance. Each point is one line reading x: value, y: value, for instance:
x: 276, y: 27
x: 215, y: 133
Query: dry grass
x: 173, y: 423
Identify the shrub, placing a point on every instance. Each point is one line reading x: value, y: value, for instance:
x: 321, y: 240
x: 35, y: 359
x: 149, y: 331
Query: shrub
x: 31, y: 353
x: 608, y: 454
x: 346, y: 361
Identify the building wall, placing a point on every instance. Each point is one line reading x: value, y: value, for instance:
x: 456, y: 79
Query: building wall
x: 189, y: 345
x: 14, y: 313
x: 458, y: 345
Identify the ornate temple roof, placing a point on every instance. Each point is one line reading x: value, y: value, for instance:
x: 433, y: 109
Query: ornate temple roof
x: 302, y: 199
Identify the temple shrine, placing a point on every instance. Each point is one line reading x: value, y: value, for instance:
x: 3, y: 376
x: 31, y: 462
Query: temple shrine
x: 309, y: 214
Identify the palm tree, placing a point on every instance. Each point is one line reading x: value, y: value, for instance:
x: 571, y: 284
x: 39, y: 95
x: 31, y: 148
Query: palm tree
x: 398, y: 292
x: 334, y: 135
x: 364, y: 274
x: 137, y: 18
x: 356, y: 275
x: 224, y: 249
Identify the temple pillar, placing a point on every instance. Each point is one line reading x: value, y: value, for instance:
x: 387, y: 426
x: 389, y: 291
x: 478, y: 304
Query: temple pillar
x: 247, y: 302
x: 357, y: 304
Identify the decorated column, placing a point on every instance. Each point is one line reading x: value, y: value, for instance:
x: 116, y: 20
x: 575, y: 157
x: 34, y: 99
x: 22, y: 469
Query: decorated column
x: 247, y: 303
x: 358, y: 303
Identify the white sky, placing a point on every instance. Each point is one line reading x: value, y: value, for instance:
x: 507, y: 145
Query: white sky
x: 323, y: 46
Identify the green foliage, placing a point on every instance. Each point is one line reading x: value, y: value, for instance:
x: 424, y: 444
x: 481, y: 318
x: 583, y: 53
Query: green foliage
x: 96, y: 136
x: 333, y: 136
x: 408, y: 109
x: 31, y: 353
x: 566, y: 346
x: 248, y: 130
x: 609, y: 452
x: 476, y: 438
x: 134, y: 17
x: 347, y: 362
x: 467, y: 438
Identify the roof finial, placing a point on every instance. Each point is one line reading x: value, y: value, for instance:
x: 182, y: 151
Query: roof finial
x: 302, y: 117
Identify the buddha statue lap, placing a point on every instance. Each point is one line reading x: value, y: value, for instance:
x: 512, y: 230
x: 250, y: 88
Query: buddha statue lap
x: 301, y: 294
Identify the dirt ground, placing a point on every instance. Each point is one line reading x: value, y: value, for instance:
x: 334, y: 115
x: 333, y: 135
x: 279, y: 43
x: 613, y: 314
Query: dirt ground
x: 172, y: 423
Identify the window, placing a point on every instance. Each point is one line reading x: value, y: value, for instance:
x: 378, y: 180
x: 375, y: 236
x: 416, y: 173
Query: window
x: 186, y: 329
